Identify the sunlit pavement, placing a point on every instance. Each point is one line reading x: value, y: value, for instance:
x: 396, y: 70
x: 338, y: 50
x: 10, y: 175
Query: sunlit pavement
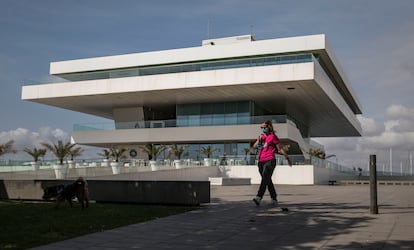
x: 319, y: 217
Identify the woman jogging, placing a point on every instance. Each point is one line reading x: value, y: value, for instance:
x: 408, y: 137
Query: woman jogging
x: 268, y: 145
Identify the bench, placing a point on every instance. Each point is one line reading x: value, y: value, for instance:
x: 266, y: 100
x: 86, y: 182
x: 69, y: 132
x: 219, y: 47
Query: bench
x: 332, y: 182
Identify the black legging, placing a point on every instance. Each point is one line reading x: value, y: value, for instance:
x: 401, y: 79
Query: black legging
x: 266, y: 171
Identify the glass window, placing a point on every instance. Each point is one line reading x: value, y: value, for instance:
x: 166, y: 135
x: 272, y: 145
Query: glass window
x: 193, y: 120
x: 243, y: 118
x: 182, y: 121
x: 230, y: 119
x: 196, y: 66
x: 218, y: 119
x: 193, y: 151
x: 206, y: 120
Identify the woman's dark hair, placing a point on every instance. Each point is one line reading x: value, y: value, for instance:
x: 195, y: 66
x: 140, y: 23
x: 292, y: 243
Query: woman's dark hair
x: 270, y: 126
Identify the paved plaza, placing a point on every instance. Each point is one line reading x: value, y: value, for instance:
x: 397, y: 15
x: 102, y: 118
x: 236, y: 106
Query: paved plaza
x: 319, y: 217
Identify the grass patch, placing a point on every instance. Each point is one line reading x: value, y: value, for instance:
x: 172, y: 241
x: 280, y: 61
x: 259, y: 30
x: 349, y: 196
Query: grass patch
x: 26, y: 224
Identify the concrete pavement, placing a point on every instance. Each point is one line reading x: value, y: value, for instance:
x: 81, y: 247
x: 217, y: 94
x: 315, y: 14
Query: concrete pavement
x: 319, y: 217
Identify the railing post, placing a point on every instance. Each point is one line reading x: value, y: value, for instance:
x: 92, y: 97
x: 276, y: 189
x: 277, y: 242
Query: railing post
x: 373, y: 184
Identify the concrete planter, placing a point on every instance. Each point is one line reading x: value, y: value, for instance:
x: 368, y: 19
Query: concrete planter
x: 155, y: 165
x: 208, y: 162
x: 179, y: 164
x: 116, y: 167
x: 35, y: 165
x: 71, y: 164
x: 105, y: 163
x: 61, y: 170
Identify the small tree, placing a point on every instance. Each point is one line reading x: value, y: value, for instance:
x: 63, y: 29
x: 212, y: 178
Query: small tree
x: 286, y: 148
x: 118, y: 153
x: 208, y: 151
x: 153, y: 150
x: 247, y: 151
x: 75, y: 152
x: 36, y: 153
x: 60, y: 150
x: 7, y: 148
x: 105, y: 153
x: 319, y: 153
x: 177, y: 151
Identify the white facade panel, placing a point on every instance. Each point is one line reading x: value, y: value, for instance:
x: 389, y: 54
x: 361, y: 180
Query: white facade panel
x: 198, y: 79
x: 181, y: 135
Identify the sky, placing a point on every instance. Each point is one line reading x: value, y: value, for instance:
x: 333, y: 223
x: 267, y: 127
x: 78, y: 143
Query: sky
x: 373, y: 41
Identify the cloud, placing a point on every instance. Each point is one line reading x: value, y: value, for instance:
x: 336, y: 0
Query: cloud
x: 396, y: 133
x: 370, y: 127
x: 400, y: 119
x: 24, y: 138
x: 396, y: 112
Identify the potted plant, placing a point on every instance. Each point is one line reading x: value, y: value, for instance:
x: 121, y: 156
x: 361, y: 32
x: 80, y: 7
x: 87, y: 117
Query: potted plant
x: 36, y: 153
x: 153, y: 151
x: 61, y: 151
x: 74, y: 152
x: 106, y: 153
x: 117, y: 154
x: 178, y: 151
x: 208, y: 151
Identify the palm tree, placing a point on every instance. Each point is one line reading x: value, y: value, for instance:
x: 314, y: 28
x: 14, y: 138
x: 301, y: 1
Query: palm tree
x: 36, y: 153
x: 75, y: 152
x: 318, y: 153
x: 105, y: 153
x: 60, y: 150
x: 153, y: 150
x: 177, y: 151
x: 118, y: 153
x: 247, y: 151
x: 208, y: 151
x: 7, y: 148
x: 286, y: 148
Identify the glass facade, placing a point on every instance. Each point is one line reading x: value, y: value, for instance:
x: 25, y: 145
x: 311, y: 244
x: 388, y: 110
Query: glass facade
x: 263, y: 60
x: 210, y: 114
x: 222, y: 151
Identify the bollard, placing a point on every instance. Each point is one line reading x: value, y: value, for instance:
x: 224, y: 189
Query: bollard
x: 373, y: 183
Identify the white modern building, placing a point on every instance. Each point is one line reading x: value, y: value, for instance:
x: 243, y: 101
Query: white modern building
x: 215, y: 94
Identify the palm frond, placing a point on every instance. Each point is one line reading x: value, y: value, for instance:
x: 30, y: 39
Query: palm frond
x: 36, y: 153
x: 7, y: 147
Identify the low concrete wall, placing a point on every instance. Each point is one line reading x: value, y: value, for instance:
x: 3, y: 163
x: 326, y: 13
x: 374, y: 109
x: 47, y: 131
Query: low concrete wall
x: 144, y: 192
x: 295, y: 175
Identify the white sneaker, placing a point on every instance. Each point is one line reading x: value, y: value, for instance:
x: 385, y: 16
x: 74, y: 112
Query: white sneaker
x: 257, y: 200
x: 274, y: 203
